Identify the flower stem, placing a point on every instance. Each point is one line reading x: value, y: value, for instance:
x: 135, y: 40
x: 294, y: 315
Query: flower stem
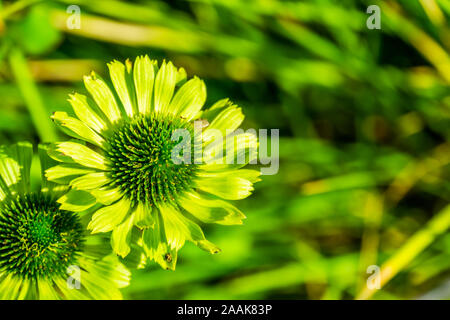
x: 33, y: 100
x: 415, y: 245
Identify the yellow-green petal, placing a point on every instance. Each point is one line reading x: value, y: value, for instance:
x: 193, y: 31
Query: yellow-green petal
x: 121, y: 236
x: 86, y: 113
x: 248, y: 174
x: 164, y: 86
x: 107, y: 218
x: 208, y: 246
x: 143, y: 216
x: 10, y: 287
x: 64, y: 173
x: 144, y: 77
x: 156, y: 247
x: 82, y: 155
x: 76, y: 128
x: 103, y: 96
x: 90, y: 181
x: 76, y: 201
x: 71, y: 294
x: 98, y: 280
x: 226, y: 121
x: 239, y: 150
x: 118, y: 74
x: 227, y: 187
x: 178, y: 228
x: 46, y: 291
x: 189, y: 99
x: 15, y: 166
x: 181, y: 76
x: 211, y: 210
x: 9, y: 175
x: 106, y: 195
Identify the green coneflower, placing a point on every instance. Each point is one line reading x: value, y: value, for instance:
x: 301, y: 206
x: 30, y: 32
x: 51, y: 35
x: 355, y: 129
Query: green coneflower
x: 45, y: 250
x: 124, y: 159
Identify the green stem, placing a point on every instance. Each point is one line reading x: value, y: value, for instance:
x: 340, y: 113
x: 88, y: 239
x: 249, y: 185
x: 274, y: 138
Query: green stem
x: 415, y: 245
x: 33, y: 100
x: 15, y: 7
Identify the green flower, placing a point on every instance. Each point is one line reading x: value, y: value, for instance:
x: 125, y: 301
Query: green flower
x: 124, y: 159
x: 45, y: 252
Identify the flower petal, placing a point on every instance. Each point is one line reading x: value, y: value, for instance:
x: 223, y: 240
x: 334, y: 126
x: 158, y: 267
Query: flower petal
x: 10, y: 287
x: 156, y: 247
x: 121, y: 236
x: 119, y: 77
x: 86, y: 113
x: 248, y: 174
x: 101, y: 278
x: 107, y: 218
x: 208, y: 246
x: 46, y: 163
x: 106, y: 195
x: 76, y: 128
x: 226, y: 121
x: 240, y: 150
x: 103, y: 96
x: 64, y: 173
x: 181, y: 76
x: 164, y: 86
x: 144, y: 77
x: 211, y: 210
x: 15, y: 166
x: 90, y: 181
x: 227, y: 187
x: 178, y: 228
x: 211, y: 113
x: 82, y: 155
x: 71, y: 294
x: 143, y: 216
x: 46, y: 291
x: 76, y: 201
x: 189, y: 99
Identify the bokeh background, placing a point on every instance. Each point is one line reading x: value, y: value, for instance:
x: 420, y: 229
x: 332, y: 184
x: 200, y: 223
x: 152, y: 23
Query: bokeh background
x: 364, y: 119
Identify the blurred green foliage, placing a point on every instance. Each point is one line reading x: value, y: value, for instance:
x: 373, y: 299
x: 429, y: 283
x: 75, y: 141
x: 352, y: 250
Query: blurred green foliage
x: 363, y: 115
